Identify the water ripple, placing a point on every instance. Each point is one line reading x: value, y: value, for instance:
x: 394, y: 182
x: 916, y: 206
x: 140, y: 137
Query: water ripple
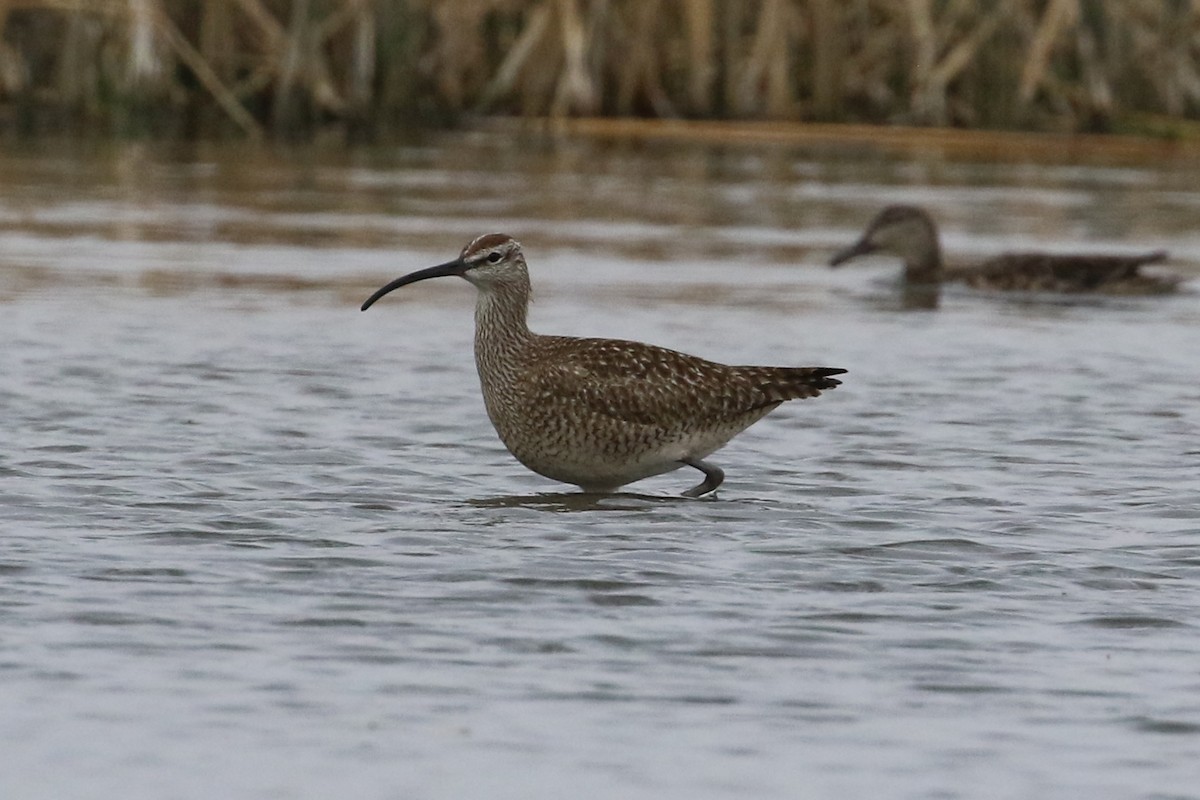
x: 244, y: 524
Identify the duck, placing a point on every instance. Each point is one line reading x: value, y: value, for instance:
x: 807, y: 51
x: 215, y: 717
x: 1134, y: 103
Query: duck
x: 909, y: 233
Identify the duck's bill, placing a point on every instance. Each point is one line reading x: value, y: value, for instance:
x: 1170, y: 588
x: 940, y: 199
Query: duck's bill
x: 859, y: 248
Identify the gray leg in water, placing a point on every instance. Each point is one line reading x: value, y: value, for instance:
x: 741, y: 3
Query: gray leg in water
x: 713, y: 477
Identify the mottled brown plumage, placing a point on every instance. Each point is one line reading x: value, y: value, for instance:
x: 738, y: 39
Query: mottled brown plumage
x: 601, y: 413
x: 909, y: 233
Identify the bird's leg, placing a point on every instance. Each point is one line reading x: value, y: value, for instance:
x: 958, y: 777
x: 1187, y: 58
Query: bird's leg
x: 713, y: 477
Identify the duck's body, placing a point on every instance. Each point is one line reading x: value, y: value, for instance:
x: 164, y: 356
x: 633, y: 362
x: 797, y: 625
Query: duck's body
x: 602, y: 413
x: 909, y: 233
x: 1068, y: 273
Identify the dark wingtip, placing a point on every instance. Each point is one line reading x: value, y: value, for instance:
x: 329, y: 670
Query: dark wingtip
x: 825, y: 373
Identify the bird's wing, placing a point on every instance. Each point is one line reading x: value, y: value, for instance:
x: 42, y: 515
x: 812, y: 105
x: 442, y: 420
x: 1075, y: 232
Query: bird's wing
x: 650, y: 385
x: 1073, y: 271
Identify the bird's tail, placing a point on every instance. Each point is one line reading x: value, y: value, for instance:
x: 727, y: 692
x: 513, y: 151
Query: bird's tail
x: 795, y: 383
x: 1153, y: 257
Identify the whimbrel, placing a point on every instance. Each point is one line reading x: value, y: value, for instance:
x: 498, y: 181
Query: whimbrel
x: 909, y: 233
x: 602, y: 413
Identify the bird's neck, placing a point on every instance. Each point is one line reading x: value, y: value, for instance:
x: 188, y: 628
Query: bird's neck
x: 924, y: 265
x: 502, y: 335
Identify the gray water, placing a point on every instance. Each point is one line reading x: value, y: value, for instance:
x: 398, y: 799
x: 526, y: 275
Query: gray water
x: 257, y: 544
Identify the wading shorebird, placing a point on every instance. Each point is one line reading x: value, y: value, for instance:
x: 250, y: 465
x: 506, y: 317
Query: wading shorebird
x: 601, y: 413
x: 909, y: 233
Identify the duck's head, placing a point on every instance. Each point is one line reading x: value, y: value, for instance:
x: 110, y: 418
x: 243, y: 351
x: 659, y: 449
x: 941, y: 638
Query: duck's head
x: 903, y: 231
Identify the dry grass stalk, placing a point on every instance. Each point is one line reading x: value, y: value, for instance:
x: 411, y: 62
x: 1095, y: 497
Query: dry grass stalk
x: 1058, y: 16
x: 206, y: 75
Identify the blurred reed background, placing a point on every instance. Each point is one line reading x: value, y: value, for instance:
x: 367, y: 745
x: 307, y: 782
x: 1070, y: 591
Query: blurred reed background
x: 289, y: 67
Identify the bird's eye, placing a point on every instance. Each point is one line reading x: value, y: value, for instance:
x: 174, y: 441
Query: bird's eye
x: 494, y: 258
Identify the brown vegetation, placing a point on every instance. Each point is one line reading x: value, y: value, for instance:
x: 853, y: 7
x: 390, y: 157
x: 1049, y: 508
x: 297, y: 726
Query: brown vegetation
x: 286, y: 66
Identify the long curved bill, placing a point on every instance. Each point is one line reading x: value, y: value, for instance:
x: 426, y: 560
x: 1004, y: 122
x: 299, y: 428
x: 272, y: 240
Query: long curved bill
x: 860, y: 248
x: 455, y: 267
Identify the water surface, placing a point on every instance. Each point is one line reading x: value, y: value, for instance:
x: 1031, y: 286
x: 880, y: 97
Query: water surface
x: 254, y: 543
